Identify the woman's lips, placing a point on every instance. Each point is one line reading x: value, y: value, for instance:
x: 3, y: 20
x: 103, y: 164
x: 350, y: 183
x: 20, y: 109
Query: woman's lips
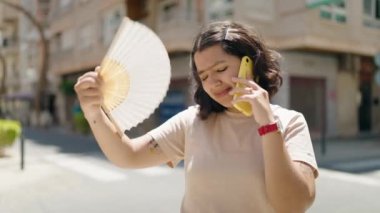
x: 222, y: 93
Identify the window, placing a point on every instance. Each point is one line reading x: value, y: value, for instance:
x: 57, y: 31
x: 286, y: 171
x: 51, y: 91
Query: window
x: 367, y: 7
x: 111, y: 22
x: 189, y: 9
x: 219, y: 9
x: 55, y: 43
x: 371, y: 13
x: 68, y: 40
x: 169, y: 10
x: 87, y: 36
x: 176, y: 11
x: 5, y: 42
x: 64, y: 3
x: 334, y: 12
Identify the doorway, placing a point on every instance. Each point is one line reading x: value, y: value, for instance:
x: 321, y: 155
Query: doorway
x: 365, y: 87
x: 308, y: 96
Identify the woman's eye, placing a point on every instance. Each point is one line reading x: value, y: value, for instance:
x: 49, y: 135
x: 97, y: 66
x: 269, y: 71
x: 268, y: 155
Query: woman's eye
x: 204, y: 78
x: 222, y: 69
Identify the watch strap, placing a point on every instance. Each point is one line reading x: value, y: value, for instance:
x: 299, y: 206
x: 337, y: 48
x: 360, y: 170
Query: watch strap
x: 263, y: 130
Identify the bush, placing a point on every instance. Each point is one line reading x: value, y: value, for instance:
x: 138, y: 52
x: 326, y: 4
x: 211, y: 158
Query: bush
x: 67, y: 87
x: 80, y: 123
x: 10, y: 130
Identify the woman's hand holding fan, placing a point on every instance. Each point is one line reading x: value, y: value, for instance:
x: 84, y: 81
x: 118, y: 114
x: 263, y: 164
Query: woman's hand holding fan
x: 89, y: 93
x: 133, y: 77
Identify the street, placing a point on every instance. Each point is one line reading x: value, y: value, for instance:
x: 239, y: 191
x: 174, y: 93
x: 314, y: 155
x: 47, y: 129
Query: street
x: 71, y: 175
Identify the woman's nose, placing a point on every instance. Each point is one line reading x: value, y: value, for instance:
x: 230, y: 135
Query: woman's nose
x: 214, y: 81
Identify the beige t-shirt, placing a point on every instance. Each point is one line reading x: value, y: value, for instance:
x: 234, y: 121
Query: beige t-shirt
x: 224, y: 170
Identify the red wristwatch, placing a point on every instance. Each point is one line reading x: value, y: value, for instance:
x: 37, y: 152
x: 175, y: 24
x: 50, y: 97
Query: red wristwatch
x: 273, y: 127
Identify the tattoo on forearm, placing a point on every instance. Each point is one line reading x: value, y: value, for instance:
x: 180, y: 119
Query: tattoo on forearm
x: 153, y: 146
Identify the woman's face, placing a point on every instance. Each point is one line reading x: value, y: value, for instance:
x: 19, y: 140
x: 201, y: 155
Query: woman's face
x: 215, y: 69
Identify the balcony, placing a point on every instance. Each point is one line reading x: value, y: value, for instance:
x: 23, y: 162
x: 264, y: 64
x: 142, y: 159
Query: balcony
x: 75, y: 60
x: 312, y: 29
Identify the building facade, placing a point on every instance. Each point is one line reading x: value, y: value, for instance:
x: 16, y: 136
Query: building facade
x: 327, y: 54
x: 81, y: 32
x: 9, y: 57
x: 21, y: 46
x: 327, y: 65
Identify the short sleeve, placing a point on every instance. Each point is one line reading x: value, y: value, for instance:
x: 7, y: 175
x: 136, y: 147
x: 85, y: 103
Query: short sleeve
x: 170, y: 136
x: 298, y: 142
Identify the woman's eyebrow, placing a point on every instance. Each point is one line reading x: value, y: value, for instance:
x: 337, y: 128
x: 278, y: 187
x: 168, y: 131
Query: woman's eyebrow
x: 216, y: 63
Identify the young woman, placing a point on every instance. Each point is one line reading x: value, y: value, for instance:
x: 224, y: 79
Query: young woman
x: 233, y: 162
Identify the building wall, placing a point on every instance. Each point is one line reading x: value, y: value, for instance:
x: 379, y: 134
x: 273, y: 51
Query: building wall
x: 9, y: 45
x: 177, y: 24
x: 295, y: 26
x: 259, y: 14
x: 311, y: 46
x: 311, y: 65
x: 9, y: 51
x: 348, y: 103
x: 79, y: 30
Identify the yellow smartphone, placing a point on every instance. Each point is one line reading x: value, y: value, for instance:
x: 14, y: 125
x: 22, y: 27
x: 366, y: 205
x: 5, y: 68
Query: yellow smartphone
x: 245, y: 71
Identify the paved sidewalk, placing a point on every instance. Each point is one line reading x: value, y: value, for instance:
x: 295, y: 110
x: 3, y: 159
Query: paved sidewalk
x: 350, y: 155
x: 63, y: 179
x: 43, y: 184
x: 38, y: 144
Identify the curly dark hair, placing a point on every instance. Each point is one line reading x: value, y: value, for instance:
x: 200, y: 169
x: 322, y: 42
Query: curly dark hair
x: 238, y: 40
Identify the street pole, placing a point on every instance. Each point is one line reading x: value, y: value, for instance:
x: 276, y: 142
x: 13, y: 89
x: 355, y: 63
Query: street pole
x: 323, y: 140
x: 22, y: 150
x: 323, y: 132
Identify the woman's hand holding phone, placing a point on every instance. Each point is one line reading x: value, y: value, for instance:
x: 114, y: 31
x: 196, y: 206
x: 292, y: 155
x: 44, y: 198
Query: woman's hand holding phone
x: 248, y: 97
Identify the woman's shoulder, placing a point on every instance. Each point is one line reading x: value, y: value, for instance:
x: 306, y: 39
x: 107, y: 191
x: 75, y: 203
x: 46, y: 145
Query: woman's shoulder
x: 277, y: 109
x: 284, y: 114
x: 190, y: 111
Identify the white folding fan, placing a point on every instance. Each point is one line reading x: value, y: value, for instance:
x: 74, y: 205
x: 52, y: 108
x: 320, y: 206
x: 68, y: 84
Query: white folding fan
x: 135, y: 73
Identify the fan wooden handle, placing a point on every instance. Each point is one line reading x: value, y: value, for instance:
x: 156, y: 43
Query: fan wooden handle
x: 114, y: 127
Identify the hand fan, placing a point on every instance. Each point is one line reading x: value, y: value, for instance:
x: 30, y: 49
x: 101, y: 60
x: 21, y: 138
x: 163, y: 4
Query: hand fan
x: 135, y: 75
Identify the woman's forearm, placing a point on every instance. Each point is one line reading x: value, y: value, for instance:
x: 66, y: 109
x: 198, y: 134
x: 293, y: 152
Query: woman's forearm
x: 116, y: 146
x: 287, y: 188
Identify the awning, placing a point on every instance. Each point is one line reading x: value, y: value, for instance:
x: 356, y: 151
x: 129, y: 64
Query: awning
x: 22, y: 96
